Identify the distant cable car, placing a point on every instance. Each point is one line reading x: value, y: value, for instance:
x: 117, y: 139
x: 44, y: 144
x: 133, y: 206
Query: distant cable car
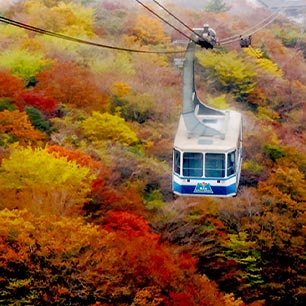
x: 245, y: 42
x: 207, y: 152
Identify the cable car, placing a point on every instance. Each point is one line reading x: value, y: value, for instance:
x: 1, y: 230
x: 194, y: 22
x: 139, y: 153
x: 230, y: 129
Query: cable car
x: 207, y: 151
x: 245, y: 42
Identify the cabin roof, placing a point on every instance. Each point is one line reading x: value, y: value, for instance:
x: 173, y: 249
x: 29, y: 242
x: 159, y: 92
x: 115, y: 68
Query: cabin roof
x: 227, y: 126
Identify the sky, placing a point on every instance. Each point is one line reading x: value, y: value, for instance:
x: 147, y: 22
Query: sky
x: 5, y: 4
x: 253, y: 2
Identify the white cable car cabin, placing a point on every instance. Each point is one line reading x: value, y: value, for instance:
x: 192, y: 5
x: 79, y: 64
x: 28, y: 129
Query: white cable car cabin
x: 207, y: 153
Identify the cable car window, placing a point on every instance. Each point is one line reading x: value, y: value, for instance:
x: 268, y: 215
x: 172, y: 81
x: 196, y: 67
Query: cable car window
x: 231, y: 163
x: 177, y: 161
x: 193, y: 164
x: 214, y: 165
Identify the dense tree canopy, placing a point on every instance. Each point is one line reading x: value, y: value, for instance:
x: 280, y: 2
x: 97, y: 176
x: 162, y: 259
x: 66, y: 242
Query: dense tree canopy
x: 87, y: 216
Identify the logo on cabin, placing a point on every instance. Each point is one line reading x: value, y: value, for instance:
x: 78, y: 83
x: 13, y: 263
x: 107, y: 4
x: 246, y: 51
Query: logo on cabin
x: 203, y: 188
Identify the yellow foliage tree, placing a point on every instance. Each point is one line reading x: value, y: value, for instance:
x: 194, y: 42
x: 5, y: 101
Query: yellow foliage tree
x: 69, y: 18
x: 118, y: 63
x: 104, y: 126
x: 43, y: 183
x: 148, y: 31
x: 263, y: 62
x: 120, y: 89
x: 231, y: 71
x: 288, y: 180
x: 218, y: 102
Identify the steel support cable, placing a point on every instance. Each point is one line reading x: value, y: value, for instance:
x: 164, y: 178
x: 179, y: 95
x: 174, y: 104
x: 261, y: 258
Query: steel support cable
x: 176, y: 18
x: 77, y: 40
x: 237, y: 36
x: 164, y: 20
x: 233, y: 38
x: 252, y: 32
x: 250, y: 29
x: 262, y: 24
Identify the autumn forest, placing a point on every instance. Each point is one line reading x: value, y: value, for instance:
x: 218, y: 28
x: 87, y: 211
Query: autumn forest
x: 87, y: 213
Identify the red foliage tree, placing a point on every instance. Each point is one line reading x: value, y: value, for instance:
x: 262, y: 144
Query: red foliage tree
x: 132, y: 225
x: 107, y: 195
x: 36, y: 99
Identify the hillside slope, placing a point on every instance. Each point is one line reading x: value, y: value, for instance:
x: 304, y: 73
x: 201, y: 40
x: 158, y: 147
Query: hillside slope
x: 86, y: 133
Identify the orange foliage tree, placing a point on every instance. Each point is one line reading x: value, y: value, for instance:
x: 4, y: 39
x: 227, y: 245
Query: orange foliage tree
x: 16, y: 126
x: 78, y: 156
x: 10, y: 85
x: 146, y: 30
x: 72, y: 85
x: 58, y: 260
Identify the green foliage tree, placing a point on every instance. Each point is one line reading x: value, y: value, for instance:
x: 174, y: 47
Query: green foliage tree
x: 11, y: 34
x: 244, y: 252
x: 274, y: 152
x: 290, y: 37
x: 23, y: 63
x: 7, y: 104
x: 38, y: 119
x: 216, y: 6
x: 202, y: 233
